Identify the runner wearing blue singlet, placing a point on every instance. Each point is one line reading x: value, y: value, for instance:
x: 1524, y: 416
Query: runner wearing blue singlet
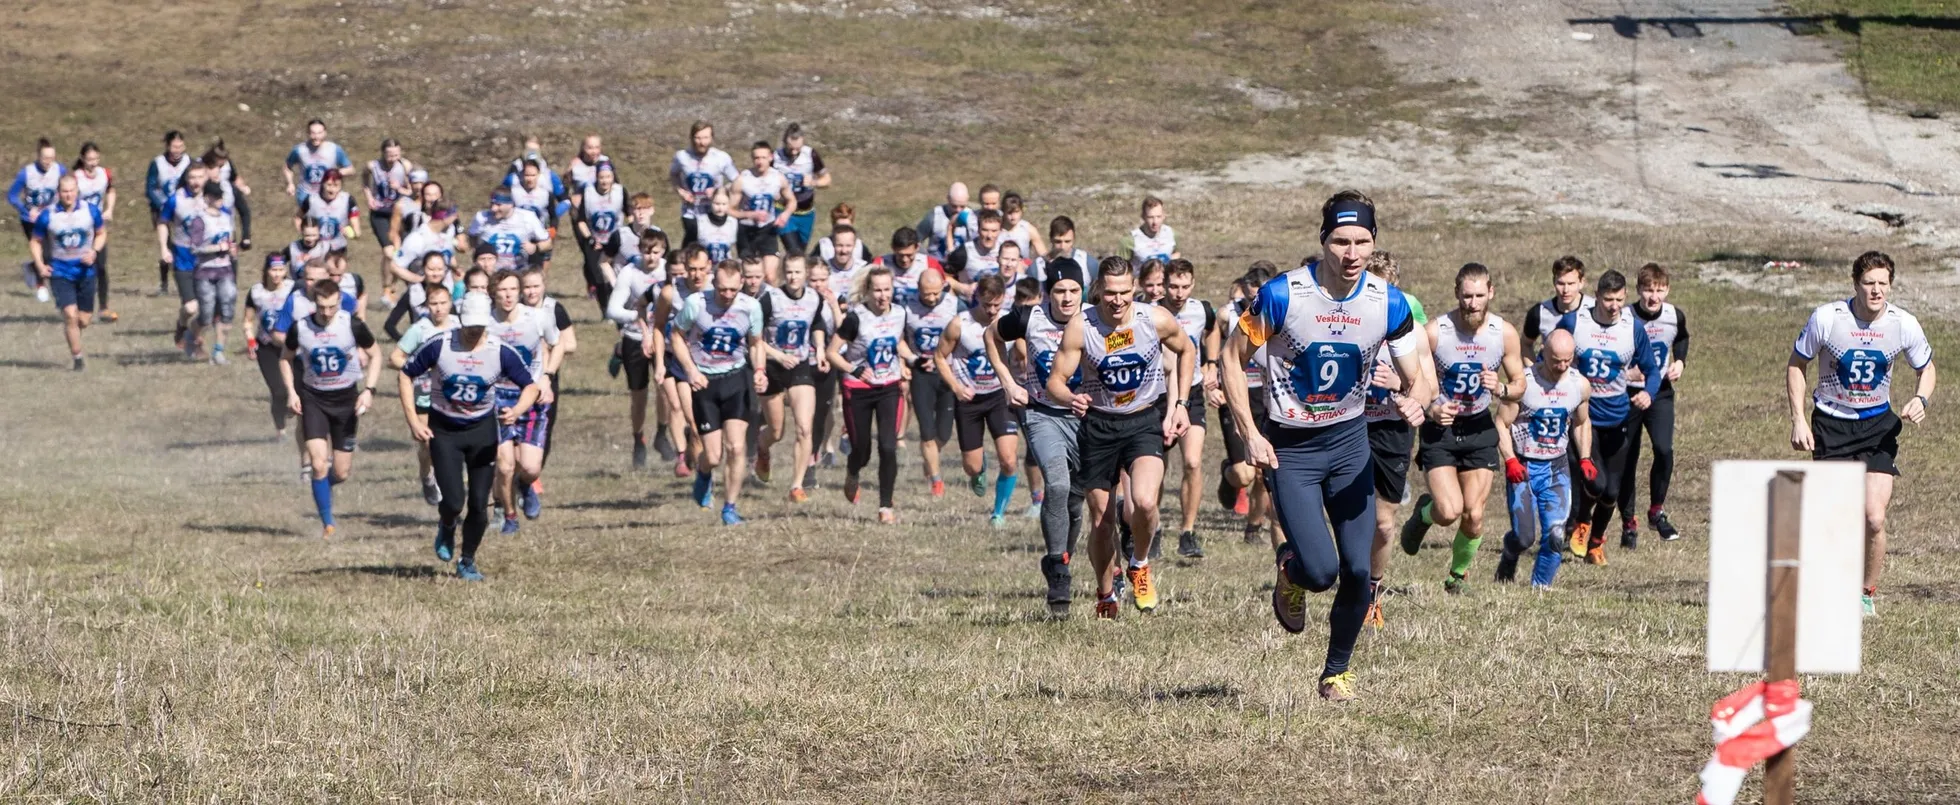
x: 696, y: 172
x: 598, y: 215
x: 766, y: 201
x: 67, y: 240
x: 722, y: 355
x: 33, y: 190
x: 386, y: 185
x: 1321, y: 326
x: 804, y: 168
x: 97, y: 186
x: 307, y: 164
x: 158, y: 184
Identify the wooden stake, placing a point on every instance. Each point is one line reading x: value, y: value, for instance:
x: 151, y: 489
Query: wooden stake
x: 1780, y: 643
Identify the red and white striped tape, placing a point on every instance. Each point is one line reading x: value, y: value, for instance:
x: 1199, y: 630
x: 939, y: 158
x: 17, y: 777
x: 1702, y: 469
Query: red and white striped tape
x: 1751, y: 724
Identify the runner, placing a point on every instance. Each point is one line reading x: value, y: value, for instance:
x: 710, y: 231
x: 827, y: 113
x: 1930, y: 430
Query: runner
x: 309, y: 247
x: 945, y: 226
x: 435, y: 237
x: 1052, y: 426
x: 175, y: 221
x: 218, y: 160
x: 582, y: 170
x: 793, y: 324
x: 1568, y: 294
x: 827, y: 377
x: 697, y: 171
x: 871, y: 352
x: 335, y: 353
x: 907, y: 266
x: 350, y: 282
x: 414, y: 303
x: 97, y: 186
x: 1321, y: 326
x: 1858, y: 341
x: 520, y: 445
x: 1017, y: 228
x: 627, y: 308
x: 1241, y: 487
x: 1061, y: 239
x: 159, y: 184
x: 754, y: 279
x: 1200, y: 324
x: 926, y: 318
x: 1609, y: 344
x: 980, y: 406
x: 1153, y: 239
x: 1458, y: 453
x: 848, y: 255
x: 536, y: 191
x: 464, y: 420
x: 333, y: 210
x: 387, y: 185
x: 978, y: 257
x: 1126, y: 421
x: 1534, y: 434
x: 535, y: 298
x: 427, y: 197
x: 1391, y: 436
x: 717, y: 230
x: 1026, y: 292
x: 214, y: 274
x: 601, y: 208
x: 844, y: 216
x: 639, y: 222
x: 664, y: 346
x: 722, y: 356
x: 516, y: 236
x: 761, y: 188
x: 67, y: 240
x: 312, y: 160
x: 436, y: 324
x: 262, y: 305
x: 1667, y: 335
x: 32, y: 192
x: 804, y: 168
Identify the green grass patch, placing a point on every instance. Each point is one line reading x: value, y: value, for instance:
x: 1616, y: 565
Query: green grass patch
x: 1907, y: 51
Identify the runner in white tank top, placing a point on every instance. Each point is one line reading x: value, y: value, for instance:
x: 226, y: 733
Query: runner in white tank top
x: 1200, y: 328
x: 662, y: 346
x: 1537, y: 434
x: 340, y: 366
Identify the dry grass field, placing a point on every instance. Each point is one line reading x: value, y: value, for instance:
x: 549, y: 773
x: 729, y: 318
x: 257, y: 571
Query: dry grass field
x: 173, y: 631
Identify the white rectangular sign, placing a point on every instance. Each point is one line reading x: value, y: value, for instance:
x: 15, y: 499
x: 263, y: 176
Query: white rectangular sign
x: 1830, y: 616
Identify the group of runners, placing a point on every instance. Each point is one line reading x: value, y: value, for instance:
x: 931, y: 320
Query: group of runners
x: 1326, y: 378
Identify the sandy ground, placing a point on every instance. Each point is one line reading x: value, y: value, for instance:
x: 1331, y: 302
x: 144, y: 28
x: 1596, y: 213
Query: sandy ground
x: 1747, y: 123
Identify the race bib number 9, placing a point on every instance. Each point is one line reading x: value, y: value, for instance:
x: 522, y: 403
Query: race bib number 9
x: 1327, y: 372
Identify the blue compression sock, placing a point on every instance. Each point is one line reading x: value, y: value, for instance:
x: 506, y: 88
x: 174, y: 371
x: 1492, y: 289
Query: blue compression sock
x: 323, y: 499
x: 1004, y: 492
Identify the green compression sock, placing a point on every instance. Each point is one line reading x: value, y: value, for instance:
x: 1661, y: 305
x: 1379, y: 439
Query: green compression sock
x: 1423, y: 514
x: 1462, y: 550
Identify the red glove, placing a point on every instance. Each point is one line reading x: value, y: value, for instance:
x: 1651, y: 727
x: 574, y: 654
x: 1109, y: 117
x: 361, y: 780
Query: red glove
x: 1587, y: 469
x: 1514, y: 470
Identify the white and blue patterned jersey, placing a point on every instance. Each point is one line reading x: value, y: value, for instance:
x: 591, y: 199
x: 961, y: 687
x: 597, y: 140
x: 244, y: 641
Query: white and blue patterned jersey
x: 543, y: 202
x: 328, y: 353
x: 924, y: 325
x: 508, y: 236
x: 267, y: 302
x: 871, y: 343
x: 178, y: 211
x: 759, y: 193
x: 1038, y: 269
x: 603, y: 212
x: 1157, y: 247
x: 969, y: 360
x: 718, y: 238
x: 310, y: 165
x: 1462, y: 357
x: 1123, y: 361
x: 34, y: 189
x: 422, y: 241
x: 332, y: 215
x: 1605, y: 353
x: 162, y: 179
x: 801, y: 170
x: 1041, y: 336
x: 949, y: 228
x: 383, y: 183
x: 582, y: 174
x: 1856, y: 358
x: 211, y: 232
x: 717, y: 337
x: 788, y: 322
x: 66, y: 235
x: 93, y: 188
x: 465, y: 380
x: 700, y: 176
x: 527, y: 330
x: 1541, y: 430
x: 1320, y: 351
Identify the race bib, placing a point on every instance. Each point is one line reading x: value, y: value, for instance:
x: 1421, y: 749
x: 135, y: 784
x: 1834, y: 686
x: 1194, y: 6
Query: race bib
x: 1326, y: 372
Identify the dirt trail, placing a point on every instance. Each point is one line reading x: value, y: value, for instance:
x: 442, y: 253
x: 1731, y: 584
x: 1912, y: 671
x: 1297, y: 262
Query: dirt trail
x: 1746, y: 122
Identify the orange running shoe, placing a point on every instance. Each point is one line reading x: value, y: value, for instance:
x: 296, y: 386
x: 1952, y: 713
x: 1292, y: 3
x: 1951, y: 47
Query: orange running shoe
x: 1240, y: 505
x: 1143, y: 592
x: 1374, y: 616
x: 1596, y: 555
x: 1577, y: 542
x: 1106, y: 607
x: 851, y: 488
x: 326, y: 533
x: 938, y: 488
x: 797, y: 495
x: 887, y: 517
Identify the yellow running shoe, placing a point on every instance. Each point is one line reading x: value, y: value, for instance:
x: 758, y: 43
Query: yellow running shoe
x: 1142, y: 590
x: 1337, y: 688
x: 1289, y: 599
x: 1577, y: 543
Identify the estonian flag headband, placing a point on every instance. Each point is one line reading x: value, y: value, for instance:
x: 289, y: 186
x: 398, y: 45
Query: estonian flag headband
x: 1347, y: 213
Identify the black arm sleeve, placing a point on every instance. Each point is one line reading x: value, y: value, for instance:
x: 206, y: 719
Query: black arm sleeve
x: 1530, y: 328
x: 1407, y: 326
x: 848, y: 330
x: 1681, y: 335
x: 1013, y: 325
x: 768, y: 310
x: 564, y: 317
x: 956, y: 264
x: 291, y: 339
x: 360, y: 285
x: 393, y: 325
x: 816, y: 162
x: 363, y: 337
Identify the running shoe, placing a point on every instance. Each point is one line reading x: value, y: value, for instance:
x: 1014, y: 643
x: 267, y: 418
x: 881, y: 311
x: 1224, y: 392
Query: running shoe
x: 843, y: 448
x: 887, y: 517
x: 1289, y: 599
x: 41, y: 294
x: 1596, y: 555
x: 218, y: 357
x: 1033, y: 512
x: 445, y: 543
x: 466, y: 570
x: 761, y: 468
x: 1242, y: 504
x: 510, y: 526
x: 728, y: 515
x: 1659, y: 522
x: 1189, y: 547
x: 704, y: 490
x: 998, y: 521
x: 797, y: 495
x: 1456, y: 585
x: 614, y: 364
x: 1143, y: 592
x: 1414, y: 529
x: 1870, y: 604
x: 1630, y: 535
x: 537, y: 485
x: 829, y: 461
x: 31, y: 276
x: 978, y: 484
x: 851, y: 488
x: 938, y: 488
x: 1107, y: 608
x: 1337, y: 688
x: 663, y: 445
x: 1577, y: 542
x: 80, y: 364
x: 109, y: 316
x: 431, y: 493
x: 1056, y: 571
x: 1374, y: 616
x: 529, y: 501
x: 326, y: 533
x: 639, y: 454
x: 681, y: 469
x: 1507, y: 560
